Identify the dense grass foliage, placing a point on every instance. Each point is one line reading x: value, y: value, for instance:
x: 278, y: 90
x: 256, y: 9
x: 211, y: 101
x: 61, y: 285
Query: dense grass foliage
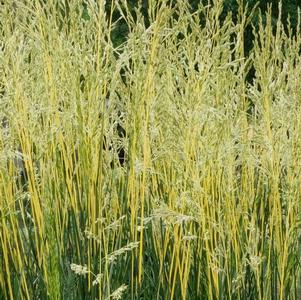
x: 207, y: 203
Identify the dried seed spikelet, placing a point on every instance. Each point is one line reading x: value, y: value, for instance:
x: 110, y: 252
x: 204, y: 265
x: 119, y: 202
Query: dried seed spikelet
x: 78, y: 269
x: 97, y: 279
x: 113, y: 256
x: 117, y: 294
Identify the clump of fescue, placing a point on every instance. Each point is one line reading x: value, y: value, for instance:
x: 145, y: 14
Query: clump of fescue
x: 207, y: 202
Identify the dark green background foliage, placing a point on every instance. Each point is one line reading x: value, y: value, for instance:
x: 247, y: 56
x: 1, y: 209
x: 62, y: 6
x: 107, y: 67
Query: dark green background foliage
x: 139, y: 9
x: 289, y: 9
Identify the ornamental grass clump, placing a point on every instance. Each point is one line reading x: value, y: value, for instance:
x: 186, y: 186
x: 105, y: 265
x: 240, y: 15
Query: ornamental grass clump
x: 205, y: 202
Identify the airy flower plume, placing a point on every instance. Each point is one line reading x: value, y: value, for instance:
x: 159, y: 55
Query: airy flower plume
x: 78, y: 269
